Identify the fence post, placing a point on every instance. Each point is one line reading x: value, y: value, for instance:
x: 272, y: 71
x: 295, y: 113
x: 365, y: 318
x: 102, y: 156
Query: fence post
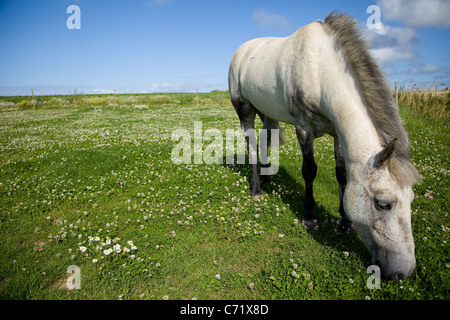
x: 396, y: 93
x: 32, y: 98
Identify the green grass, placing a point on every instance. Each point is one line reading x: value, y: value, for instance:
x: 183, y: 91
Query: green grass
x: 73, y: 167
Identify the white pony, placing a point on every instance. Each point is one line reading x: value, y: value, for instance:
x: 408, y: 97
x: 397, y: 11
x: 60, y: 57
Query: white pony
x: 323, y: 80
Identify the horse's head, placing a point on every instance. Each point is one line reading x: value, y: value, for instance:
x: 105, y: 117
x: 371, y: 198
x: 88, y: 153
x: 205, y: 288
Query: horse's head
x: 379, y: 205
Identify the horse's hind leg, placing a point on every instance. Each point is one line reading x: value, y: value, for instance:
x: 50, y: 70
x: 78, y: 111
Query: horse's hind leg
x: 309, y: 171
x: 265, y: 141
x: 247, y: 114
x: 341, y: 176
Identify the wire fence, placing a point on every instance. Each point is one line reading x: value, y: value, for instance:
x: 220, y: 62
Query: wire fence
x: 437, y: 85
x: 420, y: 87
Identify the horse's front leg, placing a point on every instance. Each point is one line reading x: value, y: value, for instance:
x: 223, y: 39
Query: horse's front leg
x: 309, y: 171
x: 341, y: 176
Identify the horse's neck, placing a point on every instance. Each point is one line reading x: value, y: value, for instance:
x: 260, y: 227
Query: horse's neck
x: 341, y: 101
x: 357, y: 135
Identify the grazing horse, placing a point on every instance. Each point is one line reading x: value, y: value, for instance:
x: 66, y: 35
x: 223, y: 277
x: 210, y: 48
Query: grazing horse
x: 323, y: 80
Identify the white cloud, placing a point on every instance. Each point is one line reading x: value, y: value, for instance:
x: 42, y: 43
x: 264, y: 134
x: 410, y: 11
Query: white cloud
x: 394, y: 47
x: 186, y: 87
x: 391, y: 54
x: 417, y: 13
x: 102, y: 91
x: 420, y: 68
x: 266, y: 19
x: 392, y: 43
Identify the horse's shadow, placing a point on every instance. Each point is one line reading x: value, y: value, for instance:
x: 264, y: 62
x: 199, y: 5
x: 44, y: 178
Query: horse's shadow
x: 293, y: 194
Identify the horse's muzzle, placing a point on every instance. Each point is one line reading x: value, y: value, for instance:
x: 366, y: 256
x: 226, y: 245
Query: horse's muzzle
x: 395, y: 269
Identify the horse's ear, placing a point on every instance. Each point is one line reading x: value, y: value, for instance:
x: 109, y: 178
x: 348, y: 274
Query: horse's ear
x: 385, y: 154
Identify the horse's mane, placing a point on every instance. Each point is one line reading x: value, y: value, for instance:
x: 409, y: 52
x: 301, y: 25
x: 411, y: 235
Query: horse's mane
x: 377, y: 95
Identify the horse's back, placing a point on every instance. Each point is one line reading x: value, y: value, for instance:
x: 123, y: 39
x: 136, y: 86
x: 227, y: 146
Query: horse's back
x: 254, y: 76
x: 262, y: 71
x: 254, y: 61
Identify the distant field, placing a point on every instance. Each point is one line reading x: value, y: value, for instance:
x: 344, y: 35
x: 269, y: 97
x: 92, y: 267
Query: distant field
x: 88, y: 180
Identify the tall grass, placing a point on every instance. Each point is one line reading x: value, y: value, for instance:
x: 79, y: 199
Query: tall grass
x: 426, y: 102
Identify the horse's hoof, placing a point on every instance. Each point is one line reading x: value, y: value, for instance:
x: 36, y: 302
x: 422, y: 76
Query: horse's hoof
x: 256, y: 196
x: 309, y: 223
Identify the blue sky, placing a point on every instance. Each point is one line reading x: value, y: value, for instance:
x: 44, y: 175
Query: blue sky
x: 181, y: 45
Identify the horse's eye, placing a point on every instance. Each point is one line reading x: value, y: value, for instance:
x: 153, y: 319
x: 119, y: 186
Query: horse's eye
x: 383, y: 205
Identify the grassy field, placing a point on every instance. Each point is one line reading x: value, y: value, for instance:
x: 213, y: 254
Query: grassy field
x: 89, y: 181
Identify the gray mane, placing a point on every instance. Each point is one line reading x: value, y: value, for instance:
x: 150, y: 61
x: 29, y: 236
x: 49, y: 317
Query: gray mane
x: 377, y: 95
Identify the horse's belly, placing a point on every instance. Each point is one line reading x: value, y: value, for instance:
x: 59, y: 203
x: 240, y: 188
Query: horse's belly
x: 275, y: 109
x: 265, y: 95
